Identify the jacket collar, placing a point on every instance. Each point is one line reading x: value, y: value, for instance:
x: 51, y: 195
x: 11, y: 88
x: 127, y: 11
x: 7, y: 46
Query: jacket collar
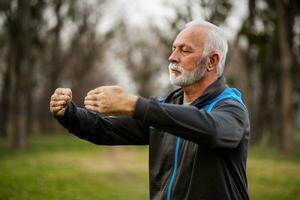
x: 210, y: 93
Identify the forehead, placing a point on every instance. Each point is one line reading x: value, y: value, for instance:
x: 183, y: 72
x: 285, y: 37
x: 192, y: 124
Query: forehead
x: 191, y: 36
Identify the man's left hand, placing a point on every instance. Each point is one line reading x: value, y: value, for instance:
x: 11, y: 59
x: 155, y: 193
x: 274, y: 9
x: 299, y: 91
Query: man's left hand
x: 110, y: 100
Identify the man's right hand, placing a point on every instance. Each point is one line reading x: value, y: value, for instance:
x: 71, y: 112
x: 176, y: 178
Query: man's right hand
x: 59, y: 101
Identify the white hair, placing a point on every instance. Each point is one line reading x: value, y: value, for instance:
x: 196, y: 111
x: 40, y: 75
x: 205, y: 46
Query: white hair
x: 216, y: 41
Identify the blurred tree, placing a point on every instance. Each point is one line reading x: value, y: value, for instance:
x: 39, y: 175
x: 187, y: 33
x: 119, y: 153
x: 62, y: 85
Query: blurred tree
x: 139, y: 53
x: 21, y: 23
x: 70, y: 60
x: 270, y: 57
x: 36, y: 58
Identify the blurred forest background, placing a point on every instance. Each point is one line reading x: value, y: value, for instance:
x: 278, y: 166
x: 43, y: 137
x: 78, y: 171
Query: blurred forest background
x: 45, y: 44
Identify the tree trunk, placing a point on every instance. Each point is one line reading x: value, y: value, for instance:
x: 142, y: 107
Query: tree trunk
x: 19, y: 132
x: 21, y: 50
x: 286, y: 87
x: 29, y: 100
x: 5, y: 103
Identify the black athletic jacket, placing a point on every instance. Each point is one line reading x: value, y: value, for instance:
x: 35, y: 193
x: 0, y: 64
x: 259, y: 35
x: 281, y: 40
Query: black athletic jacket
x: 193, y: 153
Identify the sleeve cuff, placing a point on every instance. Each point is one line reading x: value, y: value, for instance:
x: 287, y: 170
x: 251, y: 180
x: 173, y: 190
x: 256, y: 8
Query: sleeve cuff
x: 67, y: 117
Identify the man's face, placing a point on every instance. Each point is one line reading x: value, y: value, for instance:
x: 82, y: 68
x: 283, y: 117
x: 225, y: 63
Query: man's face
x: 187, y: 64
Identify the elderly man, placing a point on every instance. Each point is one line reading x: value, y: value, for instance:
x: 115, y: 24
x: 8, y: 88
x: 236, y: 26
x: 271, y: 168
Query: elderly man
x: 197, y: 136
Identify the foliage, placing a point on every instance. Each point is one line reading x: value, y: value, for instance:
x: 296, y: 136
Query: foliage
x: 271, y: 67
x: 51, y: 43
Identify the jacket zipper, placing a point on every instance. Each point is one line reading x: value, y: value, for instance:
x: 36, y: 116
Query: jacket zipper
x: 175, y: 164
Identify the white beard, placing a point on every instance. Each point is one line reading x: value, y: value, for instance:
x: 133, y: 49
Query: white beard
x: 186, y: 78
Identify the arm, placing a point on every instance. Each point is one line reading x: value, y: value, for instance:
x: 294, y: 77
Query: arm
x: 224, y: 127
x: 121, y: 130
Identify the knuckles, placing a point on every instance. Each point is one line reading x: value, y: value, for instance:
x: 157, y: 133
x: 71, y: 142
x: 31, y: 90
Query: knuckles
x: 65, y: 91
x: 59, y: 100
x: 102, y: 99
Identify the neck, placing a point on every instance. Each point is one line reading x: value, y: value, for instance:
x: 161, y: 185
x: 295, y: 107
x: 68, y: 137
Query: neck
x: 192, y: 92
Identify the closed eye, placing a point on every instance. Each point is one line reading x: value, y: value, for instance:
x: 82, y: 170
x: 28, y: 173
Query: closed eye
x: 185, y: 50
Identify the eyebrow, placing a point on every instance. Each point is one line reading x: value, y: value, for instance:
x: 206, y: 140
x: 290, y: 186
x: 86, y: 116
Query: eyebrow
x: 183, y: 45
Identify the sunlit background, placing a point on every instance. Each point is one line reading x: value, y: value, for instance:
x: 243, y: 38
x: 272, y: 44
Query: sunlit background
x: 45, y: 44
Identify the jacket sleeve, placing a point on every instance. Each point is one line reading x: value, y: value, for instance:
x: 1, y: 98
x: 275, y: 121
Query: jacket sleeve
x: 223, y: 127
x: 121, y: 130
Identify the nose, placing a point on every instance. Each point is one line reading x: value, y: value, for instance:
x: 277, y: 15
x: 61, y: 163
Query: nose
x: 174, y: 57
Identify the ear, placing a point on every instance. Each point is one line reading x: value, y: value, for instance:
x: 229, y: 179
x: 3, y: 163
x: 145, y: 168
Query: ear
x: 213, y: 61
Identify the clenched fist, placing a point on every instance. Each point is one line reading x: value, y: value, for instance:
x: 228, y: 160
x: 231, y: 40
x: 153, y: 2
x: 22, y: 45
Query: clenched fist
x: 110, y: 100
x: 59, y: 101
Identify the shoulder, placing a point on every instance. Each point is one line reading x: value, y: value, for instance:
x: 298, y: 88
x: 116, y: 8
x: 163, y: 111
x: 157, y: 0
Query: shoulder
x: 232, y: 107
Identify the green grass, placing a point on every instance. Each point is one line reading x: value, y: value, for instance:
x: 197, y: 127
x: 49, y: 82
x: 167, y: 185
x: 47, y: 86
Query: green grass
x: 64, y: 167
x: 273, y: 176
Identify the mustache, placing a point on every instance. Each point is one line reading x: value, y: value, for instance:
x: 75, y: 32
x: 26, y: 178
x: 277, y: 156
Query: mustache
x: 173, y: 66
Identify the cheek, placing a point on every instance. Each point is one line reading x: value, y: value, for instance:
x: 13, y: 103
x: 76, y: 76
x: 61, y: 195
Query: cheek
x: 190, y: 62
x: 190, y: 65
